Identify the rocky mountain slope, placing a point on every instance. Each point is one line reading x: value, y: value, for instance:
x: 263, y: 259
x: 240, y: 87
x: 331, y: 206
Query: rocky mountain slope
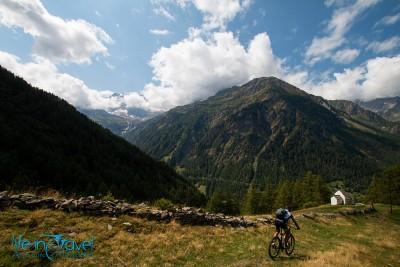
x: 388, y: 108
x: 364, y: 117
x: 116, y: 123
x: 262, y: 132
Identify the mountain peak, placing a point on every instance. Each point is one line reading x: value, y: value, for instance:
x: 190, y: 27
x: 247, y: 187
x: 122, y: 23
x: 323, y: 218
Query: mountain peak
x: 262, y: 131
x: 262, y: 84
x: 259, y: 80
x: 272, y: 83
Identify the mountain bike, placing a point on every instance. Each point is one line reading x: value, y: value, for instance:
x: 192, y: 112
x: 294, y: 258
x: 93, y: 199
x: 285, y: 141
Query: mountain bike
x: 278, y: 243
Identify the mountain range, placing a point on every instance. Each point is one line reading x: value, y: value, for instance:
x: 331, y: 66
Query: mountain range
x: 116, y: 121
x: 388, y: 108
x: 261, y: 133
x: 47, y: 143
x: 268, y: 130
x: 370, y: 118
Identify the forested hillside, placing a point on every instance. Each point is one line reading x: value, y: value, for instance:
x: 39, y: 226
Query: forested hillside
x: 264, y: 132
x: 47, y: 142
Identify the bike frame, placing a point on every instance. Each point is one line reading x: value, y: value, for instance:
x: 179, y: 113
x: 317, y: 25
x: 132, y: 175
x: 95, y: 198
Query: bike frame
x: 281, y: 236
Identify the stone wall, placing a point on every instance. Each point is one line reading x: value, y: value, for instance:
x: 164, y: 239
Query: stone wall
x: 91, y: 206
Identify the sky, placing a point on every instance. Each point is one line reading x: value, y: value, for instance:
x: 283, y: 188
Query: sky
x: 158, y: 54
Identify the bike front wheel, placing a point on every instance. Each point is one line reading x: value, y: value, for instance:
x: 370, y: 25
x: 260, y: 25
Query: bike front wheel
x: 289, y: 247
x: 274, y: 247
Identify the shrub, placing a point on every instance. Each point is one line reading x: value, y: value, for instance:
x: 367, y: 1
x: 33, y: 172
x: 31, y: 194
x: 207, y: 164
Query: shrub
x: 223, y: 203
x: 108, y: 197
x: 164, y: 204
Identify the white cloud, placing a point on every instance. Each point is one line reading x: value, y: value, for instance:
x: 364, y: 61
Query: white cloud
x: 345, y: 56
x: 340, y: 23
x: 162, y: 11
x: 54, y: 38
x: 191, y: 69
x: 218, y: 13
x: 388, y: 20
x: 384, y: 46
x: 196, y: 68
x: 159, y: 31
x: 45, y: 75
x: 378, y: 77
x: 202, y: 64
x: 182, y: 3
x: 330, y: 3
x: 110, y: 66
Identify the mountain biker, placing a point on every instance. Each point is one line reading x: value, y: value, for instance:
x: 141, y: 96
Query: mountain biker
x: 282, y: 217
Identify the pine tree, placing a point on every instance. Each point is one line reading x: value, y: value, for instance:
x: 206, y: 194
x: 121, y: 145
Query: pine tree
x: 283, y: 196
x: 374, y: 190
x: 267, y: 198
x: 249, y: 201
x: 298, y: 193
x: 385, y: 187
x: 223, y: 203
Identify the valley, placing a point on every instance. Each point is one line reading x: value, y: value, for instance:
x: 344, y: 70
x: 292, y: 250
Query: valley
x: 199, y: 133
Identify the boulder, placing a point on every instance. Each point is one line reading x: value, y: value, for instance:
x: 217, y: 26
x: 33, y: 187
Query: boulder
x: 3, y: 194
x: 47, y: 203
x: 4, y: 200
x: 27, y: 196
x: 69, y: 205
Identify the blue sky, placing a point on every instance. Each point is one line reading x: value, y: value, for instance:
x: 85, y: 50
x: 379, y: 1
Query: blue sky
x: 86, y: 51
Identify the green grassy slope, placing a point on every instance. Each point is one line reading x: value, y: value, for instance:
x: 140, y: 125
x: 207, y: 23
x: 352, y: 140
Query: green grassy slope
x: 345, y: 241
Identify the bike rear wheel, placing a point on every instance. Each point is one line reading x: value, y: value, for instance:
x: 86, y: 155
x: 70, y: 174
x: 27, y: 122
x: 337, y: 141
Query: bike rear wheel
x: 289, y: 247
x: 274, y: 247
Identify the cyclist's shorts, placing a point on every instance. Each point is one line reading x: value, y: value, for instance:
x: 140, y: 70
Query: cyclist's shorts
x: 280, y: 224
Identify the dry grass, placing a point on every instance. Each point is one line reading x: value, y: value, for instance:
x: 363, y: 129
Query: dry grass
x: 355, y: 241
x: 346, y: 255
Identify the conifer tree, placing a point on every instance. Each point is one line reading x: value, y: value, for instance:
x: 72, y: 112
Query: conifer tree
x: 283, y: 196
x: 223, y: 203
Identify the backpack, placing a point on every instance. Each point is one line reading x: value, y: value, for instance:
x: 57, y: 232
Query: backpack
x: 280, y: 213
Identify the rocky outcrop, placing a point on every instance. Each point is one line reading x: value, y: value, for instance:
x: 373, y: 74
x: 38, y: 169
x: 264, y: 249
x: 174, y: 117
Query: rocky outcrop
x: 91, y: 206
x: 357, y: 211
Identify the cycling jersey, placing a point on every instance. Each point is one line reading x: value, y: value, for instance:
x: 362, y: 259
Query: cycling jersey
x: 283, y: 214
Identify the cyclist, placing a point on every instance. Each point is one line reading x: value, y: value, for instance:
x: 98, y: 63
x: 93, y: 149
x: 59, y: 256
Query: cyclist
x: 281, y: 221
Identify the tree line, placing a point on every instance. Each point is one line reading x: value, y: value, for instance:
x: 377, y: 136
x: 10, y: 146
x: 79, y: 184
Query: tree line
x: 385, y: 187
x: 310, y: 190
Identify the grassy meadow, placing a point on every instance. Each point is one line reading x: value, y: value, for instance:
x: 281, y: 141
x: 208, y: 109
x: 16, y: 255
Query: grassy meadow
x: 370, y: 240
